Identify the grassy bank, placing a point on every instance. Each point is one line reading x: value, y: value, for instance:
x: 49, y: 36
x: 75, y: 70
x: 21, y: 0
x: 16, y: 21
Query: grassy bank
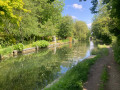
x: 20, y: 46
x: 116, y: 50
x: 75, y: 77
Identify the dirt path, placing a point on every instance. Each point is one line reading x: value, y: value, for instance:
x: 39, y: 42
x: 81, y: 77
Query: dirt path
x: 114, y: 76
x: 96, y: 70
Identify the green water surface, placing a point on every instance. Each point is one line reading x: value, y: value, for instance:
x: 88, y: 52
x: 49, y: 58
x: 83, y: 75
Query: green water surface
x: 37, y: 70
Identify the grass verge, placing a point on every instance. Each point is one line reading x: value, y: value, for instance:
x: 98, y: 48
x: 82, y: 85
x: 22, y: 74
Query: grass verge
x: 75, y: 77
x: 100, y: 50
x: 104, y: 78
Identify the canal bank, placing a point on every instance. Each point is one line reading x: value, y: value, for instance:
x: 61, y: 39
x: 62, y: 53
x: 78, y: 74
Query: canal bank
x: 15, y: 53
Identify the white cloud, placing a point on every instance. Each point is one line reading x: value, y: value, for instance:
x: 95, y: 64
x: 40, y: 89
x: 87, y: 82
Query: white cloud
x: 89, y: 25
x: 74, y: 17
x: 77, y: 6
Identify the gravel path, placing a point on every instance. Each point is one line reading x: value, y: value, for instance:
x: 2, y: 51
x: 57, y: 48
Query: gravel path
x: 96, y: 70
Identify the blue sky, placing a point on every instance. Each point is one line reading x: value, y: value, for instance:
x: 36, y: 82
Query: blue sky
x: 78, y: 10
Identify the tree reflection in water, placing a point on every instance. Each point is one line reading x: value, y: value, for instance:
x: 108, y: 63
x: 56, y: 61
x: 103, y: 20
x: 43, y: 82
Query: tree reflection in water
x: 35, y: 71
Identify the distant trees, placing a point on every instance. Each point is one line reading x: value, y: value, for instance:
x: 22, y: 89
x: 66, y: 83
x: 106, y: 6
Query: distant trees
x: 81, y: 31
x: 70, y: 28
x: 66, y: 27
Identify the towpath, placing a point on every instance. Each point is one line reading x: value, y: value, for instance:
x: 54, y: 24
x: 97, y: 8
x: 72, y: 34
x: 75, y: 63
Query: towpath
x: 96, y: 70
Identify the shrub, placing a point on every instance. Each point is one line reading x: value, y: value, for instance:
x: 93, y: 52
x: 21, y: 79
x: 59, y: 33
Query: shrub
x: 41, y: 44
x: 18, y: 46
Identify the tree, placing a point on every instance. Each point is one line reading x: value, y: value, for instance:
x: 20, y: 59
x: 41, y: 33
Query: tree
x: 81, y: 30
x: 66, y: 27
x: 9, y: 19
x: 114, y: 13
x: 101, y: 23
x: 7, y: 8
x: 100, y: 30
x: 48, y: 29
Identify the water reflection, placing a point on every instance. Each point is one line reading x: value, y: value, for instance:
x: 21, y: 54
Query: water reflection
x: 35, y: 71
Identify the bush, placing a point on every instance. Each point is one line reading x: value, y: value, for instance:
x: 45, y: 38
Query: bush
x: 41, y: 44
x: 18, y: 46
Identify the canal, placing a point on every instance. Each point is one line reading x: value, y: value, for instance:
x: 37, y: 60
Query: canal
x: 35, y: 71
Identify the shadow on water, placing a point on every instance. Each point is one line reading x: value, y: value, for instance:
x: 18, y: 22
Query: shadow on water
x: 37, y: 70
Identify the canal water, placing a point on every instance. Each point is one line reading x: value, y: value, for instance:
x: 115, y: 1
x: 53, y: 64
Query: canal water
x: 35, y: 71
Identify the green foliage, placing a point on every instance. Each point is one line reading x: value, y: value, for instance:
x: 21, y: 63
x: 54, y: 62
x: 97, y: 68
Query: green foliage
x: 7, y: 50
x: 48, y: 29
x: 18, y: 46
x: 81, y: 30
x: 40, y: 20
x: 113, y: 9
x: 7, y: 8
x: 116, y: 49
x: 41, y: 44
x: 101, y: 25
x: 115, y: 14
x: 65, y: 40
x: 66, y: 27
x: 100, y: 50
x: 0, y: 47
x: 108, y: 22
x: 104, y: 78
x: 9, y: 17
x: 8, y: 40
x: 50, y: 38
